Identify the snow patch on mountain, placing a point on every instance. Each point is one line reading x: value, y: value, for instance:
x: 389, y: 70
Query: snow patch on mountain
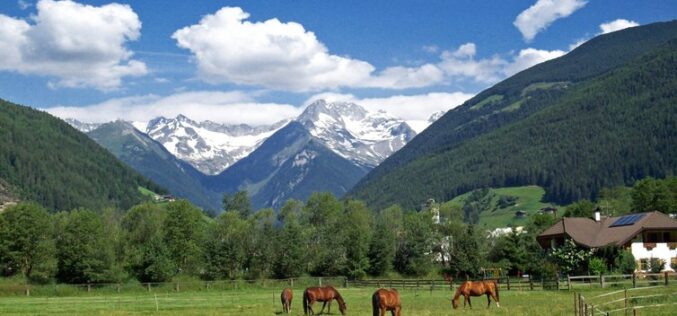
x: 82, y: 126
x: 364, y: 137
x: 208, y: 146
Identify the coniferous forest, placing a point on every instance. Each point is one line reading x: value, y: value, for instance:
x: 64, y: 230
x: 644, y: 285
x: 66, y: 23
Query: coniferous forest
x: 44, y: 159
x: 600, y: 116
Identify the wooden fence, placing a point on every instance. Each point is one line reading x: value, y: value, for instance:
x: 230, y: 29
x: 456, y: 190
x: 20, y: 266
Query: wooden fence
x: 626, y: 301
x: 505, y: 283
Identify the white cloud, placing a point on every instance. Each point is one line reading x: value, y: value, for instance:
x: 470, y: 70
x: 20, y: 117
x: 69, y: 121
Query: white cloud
x: 529, y: 57
x: 543, y: 13
x: 461, y: 64
x: 223, y: 107
x: 283, y: 55
x: 415, y: 109
x: 80, y: 45
x: 616, y: 25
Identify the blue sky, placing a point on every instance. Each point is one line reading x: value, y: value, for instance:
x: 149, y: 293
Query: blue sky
x: 260, y: 61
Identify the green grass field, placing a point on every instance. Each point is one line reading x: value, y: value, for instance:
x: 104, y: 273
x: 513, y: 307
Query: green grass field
x: 528, y: 200
x: 266, y: 302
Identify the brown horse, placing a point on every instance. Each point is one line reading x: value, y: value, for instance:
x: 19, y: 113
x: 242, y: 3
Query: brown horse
x: 322, y: 294
x: 476, y: 288
x: 286, y: 297
x: 386, y: 300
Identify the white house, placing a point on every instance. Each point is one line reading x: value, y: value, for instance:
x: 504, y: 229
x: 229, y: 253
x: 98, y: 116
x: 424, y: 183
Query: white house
x: 647, y: 235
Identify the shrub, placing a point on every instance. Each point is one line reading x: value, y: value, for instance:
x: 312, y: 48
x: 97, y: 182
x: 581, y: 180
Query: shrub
x: 656, y: 265
x: 625, y: 262
x: 597, y: 266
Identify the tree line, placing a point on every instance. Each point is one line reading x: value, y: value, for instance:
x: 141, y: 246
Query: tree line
x: 321, y: 237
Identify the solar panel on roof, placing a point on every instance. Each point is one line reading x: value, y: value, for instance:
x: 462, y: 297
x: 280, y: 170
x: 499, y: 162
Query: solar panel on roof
x: 627, y: 220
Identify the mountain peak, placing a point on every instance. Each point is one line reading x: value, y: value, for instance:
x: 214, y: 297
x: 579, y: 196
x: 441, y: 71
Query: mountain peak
x: 351, y: 131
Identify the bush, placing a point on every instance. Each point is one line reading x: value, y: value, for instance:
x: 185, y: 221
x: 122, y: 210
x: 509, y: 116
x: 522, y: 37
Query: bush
x: 625, y: 262
x: 597, y: 266
x: 656, y: 265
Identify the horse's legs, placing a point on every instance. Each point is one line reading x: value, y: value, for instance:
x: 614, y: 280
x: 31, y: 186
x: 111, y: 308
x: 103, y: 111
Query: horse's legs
x: 496, y: 299
x: 323, y: 305
x: 329, y: 308
x: 469, y: 304
x: 310, y: 307
x: 488, y: 300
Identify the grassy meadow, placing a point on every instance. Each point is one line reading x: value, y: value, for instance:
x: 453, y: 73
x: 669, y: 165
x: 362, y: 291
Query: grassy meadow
x: 265, y: 301
x: 529, y: 199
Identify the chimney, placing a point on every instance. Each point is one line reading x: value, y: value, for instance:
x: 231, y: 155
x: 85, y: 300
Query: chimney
x: 597, y: 216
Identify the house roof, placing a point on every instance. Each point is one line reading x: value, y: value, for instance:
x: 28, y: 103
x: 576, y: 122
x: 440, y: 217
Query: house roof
x: 587, y: 232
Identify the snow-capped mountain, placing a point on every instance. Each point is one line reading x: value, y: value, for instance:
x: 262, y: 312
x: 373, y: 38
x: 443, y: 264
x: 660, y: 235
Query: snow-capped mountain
x: 352, y: 132
x: 82, y: 126
x: 208, y: 146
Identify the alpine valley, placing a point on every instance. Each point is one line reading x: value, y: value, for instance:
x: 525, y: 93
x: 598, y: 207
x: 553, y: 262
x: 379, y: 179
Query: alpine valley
x: 329, y: 147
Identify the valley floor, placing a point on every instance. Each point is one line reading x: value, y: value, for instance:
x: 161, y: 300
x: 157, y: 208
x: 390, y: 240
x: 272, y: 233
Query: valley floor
x: 266, y: 302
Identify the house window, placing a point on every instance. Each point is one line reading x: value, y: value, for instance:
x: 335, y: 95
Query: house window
x: 651, y: 237
x: 644, y: 264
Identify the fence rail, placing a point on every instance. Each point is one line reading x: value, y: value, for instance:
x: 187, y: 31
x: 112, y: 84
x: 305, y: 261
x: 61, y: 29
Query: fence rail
x: 505, y: 283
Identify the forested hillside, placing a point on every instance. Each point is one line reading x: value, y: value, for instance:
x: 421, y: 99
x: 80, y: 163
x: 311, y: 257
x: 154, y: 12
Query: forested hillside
x: 151, y: 159
x: 603, y: 115
x: 50, y: 162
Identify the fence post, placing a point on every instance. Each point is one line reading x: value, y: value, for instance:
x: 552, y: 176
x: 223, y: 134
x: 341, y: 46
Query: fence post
x: 508, y: 282
x: 118, y: 287
x: 148, y: 286
x: 178, y: 287
x: 601, y: 281
x: 592, y: 307
x: 320, y: 281
x: 666, y: 278
x: 89, y: 287
x: 531, y: 283
x: 634, y: 279
x: 28, y: 290
x: 345, y: 282
x: 569, y: 282
x: 558, y: 283
x: 625, y: 303
x: 575, y: 305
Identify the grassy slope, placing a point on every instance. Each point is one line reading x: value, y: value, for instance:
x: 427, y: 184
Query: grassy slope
x: 529, y: 199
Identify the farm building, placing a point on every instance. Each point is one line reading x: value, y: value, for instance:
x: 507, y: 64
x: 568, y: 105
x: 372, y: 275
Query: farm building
x: 647, y: 235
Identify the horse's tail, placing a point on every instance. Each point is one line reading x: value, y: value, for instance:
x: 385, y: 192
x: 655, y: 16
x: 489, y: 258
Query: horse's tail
x: 305, y: 302
x: 375, y: 302
x: 497, y: 298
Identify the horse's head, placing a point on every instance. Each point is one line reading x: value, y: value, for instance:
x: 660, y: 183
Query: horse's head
x: 454, y: 303
x: 342, y: 307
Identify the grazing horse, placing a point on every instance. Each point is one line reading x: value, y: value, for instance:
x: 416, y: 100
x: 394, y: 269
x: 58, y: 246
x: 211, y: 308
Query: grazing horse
x: 286, y: 297
x: 322, y: 294
x: 476, y: 288
x: 386, y: 300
